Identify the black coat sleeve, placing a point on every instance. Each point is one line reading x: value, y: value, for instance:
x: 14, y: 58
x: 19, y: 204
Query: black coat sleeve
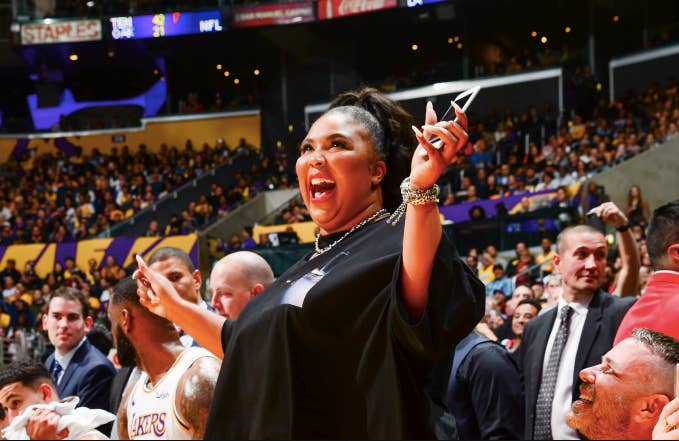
x: 455, y: 304
x: 492, y: 379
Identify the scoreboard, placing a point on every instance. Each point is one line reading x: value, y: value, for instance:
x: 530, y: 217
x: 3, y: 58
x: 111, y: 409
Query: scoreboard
x: 165, y: 25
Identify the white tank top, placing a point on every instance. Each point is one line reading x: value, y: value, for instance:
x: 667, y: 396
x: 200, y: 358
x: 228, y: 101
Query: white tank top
x: 151, y: 412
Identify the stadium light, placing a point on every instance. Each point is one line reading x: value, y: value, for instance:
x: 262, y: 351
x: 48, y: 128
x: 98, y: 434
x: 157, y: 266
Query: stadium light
x: 534, y: 34
x: 226, y: 73
x: 256, y: 72
x: 73, y: 57
x: 459, y: 45
x: 450, y: 40
x: 456, y: 38
x: 543, y: 40
x: 219, y: 67
x: 236, y: 81
x: 568, y: 29
x: 414, y: 47
x: 616, y: 18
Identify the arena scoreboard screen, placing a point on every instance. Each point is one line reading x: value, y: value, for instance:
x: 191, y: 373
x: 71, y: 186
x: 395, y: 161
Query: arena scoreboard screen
x: 165, y: 25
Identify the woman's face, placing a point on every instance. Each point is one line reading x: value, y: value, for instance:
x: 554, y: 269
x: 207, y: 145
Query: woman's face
x: 634, y: 191
x: 338, y: 172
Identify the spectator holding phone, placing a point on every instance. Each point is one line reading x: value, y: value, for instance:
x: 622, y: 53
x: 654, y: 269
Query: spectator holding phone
x: 628, y: 278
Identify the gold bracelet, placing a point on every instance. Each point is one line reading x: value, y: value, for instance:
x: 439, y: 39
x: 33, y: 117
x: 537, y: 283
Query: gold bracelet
x: 414, y: 196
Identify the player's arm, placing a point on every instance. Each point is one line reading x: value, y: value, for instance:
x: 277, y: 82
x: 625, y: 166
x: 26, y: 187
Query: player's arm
x: 121, y: 419
x: 194, y: 394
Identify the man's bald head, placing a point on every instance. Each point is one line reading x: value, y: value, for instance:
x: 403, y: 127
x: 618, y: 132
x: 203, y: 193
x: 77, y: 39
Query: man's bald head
x: 562, y: 239
x: 237, y: 278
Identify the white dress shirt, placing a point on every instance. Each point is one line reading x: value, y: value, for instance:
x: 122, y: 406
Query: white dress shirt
x: 563, y: 391
x: 65, y: 360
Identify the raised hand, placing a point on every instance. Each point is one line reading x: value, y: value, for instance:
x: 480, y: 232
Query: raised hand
x: 155, y: 292
x: 667, y: 426
x: 609, y: 212
x: 425, y: 170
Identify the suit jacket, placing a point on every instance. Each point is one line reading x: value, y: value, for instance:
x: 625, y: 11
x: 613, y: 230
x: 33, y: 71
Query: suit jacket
x: 88, y: 376
x: 118, y: 387
x: 604, y: 314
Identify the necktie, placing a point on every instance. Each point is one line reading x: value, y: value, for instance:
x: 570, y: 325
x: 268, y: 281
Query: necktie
x: 56, y: 371
x: 543, y: 407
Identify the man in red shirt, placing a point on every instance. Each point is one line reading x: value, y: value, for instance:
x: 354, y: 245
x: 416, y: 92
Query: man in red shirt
x: 658, y: 308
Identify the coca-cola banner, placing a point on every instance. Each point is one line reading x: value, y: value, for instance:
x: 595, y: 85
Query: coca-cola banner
x: 273, y: 14
x: 341, y: 8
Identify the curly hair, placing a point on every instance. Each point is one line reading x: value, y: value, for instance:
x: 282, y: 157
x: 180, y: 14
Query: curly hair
x: 390, y: 127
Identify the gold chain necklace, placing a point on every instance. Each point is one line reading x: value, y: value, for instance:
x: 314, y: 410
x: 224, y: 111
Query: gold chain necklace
x: 359, y: 225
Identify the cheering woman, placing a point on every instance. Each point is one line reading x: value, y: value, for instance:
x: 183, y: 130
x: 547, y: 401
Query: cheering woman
x: 355, y: 340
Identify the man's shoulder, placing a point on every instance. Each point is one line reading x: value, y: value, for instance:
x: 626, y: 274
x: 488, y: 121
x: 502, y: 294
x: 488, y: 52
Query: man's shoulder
x: 488, y: 355
x: 92, y: 357
x: 542, y: 320
x: 199, y: 363
x: 615, y: 304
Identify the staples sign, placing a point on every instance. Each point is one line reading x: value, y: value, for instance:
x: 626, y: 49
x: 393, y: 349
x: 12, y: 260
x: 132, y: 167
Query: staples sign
x: 60, y: 32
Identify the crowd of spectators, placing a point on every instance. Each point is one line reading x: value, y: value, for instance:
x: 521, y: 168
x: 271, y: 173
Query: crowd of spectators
x: 498, y: 161
x: 25, y: 297
x: 528, y: 274
x: 55, y: 198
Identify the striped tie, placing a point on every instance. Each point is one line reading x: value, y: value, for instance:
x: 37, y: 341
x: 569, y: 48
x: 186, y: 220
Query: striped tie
x: 543, y: 406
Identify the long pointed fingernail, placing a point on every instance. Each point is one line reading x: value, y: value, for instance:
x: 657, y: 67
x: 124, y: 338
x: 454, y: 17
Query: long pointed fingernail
x: 140, y: 260
x: 416, y: 130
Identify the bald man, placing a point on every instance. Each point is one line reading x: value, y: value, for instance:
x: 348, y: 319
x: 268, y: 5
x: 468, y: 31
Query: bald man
x: 236, y: 279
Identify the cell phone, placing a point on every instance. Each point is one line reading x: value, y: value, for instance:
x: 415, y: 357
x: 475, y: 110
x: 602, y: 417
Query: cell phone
x: 594, y: 221
x: 470, y: 94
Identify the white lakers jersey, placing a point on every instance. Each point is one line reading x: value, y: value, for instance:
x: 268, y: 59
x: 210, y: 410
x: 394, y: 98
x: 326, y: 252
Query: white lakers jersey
x: 151, y: 412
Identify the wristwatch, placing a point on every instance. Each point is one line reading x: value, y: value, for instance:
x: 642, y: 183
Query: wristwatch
x: 623, y: 228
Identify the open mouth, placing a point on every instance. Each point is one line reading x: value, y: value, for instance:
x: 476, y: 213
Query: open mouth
x: 585, y: 400
x: 585, y: 397
x: 321, y: 188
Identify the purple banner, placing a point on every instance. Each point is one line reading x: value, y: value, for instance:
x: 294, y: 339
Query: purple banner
x: 460, y: 212
x: 120, y: 250
x: 123, y: 250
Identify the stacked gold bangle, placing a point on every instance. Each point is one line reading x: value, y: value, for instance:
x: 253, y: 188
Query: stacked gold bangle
x: 414, y: 196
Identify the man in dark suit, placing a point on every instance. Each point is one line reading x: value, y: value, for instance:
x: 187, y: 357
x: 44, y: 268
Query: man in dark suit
x: 557, y: 345
x: 78, y: 368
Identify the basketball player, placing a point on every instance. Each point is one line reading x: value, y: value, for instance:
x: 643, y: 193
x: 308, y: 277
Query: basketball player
x: 172, y: 397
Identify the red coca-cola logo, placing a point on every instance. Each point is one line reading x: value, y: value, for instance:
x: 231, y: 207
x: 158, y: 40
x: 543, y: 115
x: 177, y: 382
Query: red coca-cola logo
x: 349, y: 7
